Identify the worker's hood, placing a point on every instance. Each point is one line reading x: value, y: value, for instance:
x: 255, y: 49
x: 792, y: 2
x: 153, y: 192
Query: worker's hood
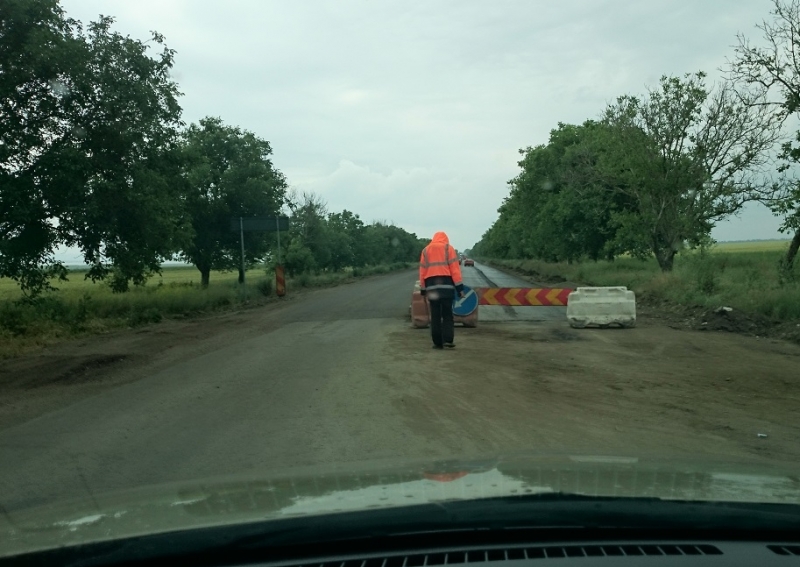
x: 314, y: 492
x: 440, y: 238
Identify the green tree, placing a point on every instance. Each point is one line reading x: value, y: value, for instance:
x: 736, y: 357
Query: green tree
x: 298, y: 258
x: 565, y: 217
x: 333, y: 241
x: 386, y: 243
x: 35, y: 38
x: 350, y: 245
x: 551, y: 212
x: 774, y: 69
x: 685, y: 157
x: 87, y: 147
x: 310, y: 228
x: 227, y: 174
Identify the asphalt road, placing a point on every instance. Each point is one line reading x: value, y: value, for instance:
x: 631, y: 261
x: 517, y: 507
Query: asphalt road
x: 293, y: 386
x: 486, y: 276
x: 339, y: 377
x: 309, y: 382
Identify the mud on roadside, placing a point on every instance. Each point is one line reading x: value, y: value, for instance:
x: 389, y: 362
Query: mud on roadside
x: 655, y: 389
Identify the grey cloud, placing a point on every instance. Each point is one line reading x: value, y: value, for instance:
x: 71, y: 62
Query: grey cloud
x: 414, y: 111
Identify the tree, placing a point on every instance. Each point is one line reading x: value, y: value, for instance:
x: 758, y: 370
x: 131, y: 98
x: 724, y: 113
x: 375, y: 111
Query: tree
x: 774, y: 68
x: 387, y: 243
x: 86, y: 148
x: 655, y: 174
x: 319, y: 240
x: 349, y: 247
x: 553, y: 212
x: 309, y: 227
x: 565, y: 217
x: 298, y: 258
x: 685, y: 157
x: 227, y: 174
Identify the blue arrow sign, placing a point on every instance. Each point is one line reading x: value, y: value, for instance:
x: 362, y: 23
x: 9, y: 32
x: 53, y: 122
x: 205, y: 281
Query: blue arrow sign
x: 463, y: 306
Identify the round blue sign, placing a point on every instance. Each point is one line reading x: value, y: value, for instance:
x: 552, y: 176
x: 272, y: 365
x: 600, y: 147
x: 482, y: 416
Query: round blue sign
x: 463, y: 306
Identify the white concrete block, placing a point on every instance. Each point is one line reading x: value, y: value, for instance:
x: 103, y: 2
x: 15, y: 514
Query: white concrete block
x: 601, y: 306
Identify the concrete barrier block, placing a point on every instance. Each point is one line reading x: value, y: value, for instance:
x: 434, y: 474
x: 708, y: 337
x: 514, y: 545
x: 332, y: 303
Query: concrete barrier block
x: 601, y: 306
x: 420, y: 317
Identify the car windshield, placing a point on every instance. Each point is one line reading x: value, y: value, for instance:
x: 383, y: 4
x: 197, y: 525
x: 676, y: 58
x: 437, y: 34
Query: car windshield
x: 267, y: 259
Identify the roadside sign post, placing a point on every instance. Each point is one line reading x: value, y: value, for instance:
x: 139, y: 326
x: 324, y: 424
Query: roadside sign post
x: 241, y: 237
x: 263, y: 224
x: 280, y: 280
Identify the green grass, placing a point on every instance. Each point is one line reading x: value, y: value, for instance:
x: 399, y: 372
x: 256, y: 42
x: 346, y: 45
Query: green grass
x: 752, y: 246
x: 80, y: 306
x: 181, y: 275
x: 744, y: 278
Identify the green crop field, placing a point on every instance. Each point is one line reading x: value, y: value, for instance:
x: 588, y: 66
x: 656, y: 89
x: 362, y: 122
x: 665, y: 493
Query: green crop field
x: 752, y: 246
x: 188, y: 275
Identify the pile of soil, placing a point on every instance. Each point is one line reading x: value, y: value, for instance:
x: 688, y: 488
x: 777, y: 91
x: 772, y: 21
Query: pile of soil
x: 722, y: 318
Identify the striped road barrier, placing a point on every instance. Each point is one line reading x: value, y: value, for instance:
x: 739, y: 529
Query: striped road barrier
x: 523, y: 296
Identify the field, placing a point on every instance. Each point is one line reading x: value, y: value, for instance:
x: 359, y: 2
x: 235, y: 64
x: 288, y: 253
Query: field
x: 752, y: 246
x: 745, y: 276
x: 175, y: 275
x: 80, y: 306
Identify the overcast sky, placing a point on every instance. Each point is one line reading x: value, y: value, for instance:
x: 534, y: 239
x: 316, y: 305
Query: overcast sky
x: 414, y: 111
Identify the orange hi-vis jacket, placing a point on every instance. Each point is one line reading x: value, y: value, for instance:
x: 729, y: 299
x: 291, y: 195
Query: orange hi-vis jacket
x: 439, y: 260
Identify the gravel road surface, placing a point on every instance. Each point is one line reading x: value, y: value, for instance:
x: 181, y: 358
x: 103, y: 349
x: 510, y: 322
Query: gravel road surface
x: 486, y: 276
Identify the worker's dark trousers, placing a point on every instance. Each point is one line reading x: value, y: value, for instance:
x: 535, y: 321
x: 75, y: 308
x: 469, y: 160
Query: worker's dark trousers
x: 441, y: 321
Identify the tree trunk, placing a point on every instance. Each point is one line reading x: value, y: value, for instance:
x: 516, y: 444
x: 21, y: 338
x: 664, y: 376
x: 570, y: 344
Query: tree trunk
x: 205, y: 273
x: 793, y: 248
x: 665, y: 258
x: 241, y: 276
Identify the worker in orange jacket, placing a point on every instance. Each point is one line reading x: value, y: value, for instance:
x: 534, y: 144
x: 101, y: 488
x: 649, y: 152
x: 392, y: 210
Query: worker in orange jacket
x: 439, y: 281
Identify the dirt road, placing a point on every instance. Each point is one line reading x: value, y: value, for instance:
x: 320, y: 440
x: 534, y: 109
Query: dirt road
x: 338, y: 375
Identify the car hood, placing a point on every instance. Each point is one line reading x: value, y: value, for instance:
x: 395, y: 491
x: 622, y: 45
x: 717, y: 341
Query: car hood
x: 326, y: 490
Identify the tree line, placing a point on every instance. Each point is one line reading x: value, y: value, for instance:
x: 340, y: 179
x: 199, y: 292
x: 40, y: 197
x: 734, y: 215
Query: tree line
x: 654, y: 173
x: 94, y: 155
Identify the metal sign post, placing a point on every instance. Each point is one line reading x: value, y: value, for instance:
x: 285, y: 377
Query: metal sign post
x: 280, y: 279
x: 263, y: 224
x: 241, y: 236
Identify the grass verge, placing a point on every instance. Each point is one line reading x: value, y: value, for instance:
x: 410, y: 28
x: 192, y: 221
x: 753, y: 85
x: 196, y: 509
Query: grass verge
x: 749, y: 281
x: 81, y: 307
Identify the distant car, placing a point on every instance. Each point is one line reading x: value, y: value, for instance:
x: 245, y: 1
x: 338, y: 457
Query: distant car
x: 469, y: 262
